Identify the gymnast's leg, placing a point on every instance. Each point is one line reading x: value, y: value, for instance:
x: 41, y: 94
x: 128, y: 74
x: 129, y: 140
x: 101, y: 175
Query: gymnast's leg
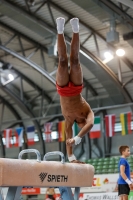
x: 62, y: 76
x: 76, y: 75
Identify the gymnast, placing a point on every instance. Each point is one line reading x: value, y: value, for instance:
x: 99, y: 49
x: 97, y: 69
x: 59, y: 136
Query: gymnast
x: 69, y: 84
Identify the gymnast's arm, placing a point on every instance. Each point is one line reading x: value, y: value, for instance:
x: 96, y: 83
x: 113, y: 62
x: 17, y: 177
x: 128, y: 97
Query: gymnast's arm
x: 88, y: 126
x: 68, y: 132
x: 68, y: 128
x: 77, y: 139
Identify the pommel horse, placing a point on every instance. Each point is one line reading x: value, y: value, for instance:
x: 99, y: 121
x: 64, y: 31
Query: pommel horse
x: 19, y: 173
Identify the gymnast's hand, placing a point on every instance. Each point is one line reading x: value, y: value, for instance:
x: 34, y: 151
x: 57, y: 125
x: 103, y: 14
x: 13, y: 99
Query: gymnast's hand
x: 70, y: 142
x: 77, y: 161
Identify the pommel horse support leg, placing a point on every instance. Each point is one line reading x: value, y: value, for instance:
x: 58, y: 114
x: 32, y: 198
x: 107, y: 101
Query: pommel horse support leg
x: 18, y: 173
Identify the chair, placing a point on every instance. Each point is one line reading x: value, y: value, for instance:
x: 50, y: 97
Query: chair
x: 112, y: 162
x: 95, y: 166
x: 106, y: 162
x: 130, y: 160
x: 112, y: 158
x: 105, y: 167
x: 110, y: 171
x: 117, y: 158
x: 131, y: 169
x: 98, y: 172
x: 95, y: 159
x: 100, y: 159
x: 116, y: 162
x: 89, y: 161
x: 111, y: 166
x: 131, y: 157
x: 106, y: 159
x: 104, y: 171
x: 100, y: 164
x: 116, y: 171
x: 116, y: 165
x: 99, y: 167
x: 131, y: 165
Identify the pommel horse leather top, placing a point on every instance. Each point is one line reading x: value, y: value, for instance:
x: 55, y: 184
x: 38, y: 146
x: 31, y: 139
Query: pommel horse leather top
x: 37, y: 173
x: 18, y: 172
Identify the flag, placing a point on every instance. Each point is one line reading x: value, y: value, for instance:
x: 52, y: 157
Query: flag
x: 8, y: 136
x: 47, y: 131
x: 61, y: 131
x: 19, y: 136
x: 96, y: 129
x: 75, y: 129
x: 30, y: 135
x: 110, y: 125
x: 125, y: 119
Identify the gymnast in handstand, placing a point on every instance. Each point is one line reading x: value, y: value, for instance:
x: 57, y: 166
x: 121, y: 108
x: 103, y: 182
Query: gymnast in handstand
x: 69, y: 84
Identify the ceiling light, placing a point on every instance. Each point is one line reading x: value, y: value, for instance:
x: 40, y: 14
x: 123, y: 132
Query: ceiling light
x: 108, y: 55
x: 120, y: 52
x: 11, y: 77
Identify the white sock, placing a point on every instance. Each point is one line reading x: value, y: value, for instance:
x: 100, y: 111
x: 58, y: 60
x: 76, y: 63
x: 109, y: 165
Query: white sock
x: 60, y: 25
x: 75, y: 25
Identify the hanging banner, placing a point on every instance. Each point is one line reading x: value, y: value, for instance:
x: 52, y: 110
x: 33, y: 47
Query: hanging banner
x: 30, y: 191
x: 47, y: 131
x: 104, y: 183
x: 101, y: 196
x: 61, y: 131
x: 8, y: 137
x: 95, y: 132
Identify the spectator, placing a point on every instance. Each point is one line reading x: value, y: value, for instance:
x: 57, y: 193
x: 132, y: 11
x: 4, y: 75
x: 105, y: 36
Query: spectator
x: 124, y: 181
x: 50, y: 192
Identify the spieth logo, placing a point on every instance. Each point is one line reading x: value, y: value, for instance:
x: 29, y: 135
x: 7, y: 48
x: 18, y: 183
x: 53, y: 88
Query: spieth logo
x: 42, y: 176
x: 53, y: 178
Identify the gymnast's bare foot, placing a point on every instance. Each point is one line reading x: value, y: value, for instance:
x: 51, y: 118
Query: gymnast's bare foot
x: 77, y: 161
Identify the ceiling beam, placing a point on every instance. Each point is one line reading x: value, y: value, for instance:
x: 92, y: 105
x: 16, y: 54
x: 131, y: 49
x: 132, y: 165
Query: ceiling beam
x: 33, y: 84
x: 93, y: 91
x: 116, y: 12
x: 27, y: 110
x: 128, y: 3
x: 90, y: 87
x: 25, y: 37
x: 91, y: 57
x: 99, y: 36
x: 29, y: 62
x: 12, y: 109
